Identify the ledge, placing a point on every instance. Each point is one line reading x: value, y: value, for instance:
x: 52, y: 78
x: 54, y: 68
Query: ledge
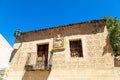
x: 58, y: 49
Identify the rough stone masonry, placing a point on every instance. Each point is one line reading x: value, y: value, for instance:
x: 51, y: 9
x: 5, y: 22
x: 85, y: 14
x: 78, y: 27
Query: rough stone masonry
x: 79, y: 51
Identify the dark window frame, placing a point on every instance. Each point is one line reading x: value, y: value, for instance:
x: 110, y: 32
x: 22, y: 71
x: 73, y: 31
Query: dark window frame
x: 42, y: 55
x: 76, y: 48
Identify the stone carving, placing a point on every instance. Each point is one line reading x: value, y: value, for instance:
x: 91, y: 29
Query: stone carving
x: 58, y: 42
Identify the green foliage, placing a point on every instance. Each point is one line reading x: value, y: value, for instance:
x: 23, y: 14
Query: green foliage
x: 113, y: 26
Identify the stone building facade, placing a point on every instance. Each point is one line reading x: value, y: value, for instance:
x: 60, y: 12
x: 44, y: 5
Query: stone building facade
x: 79, y: 51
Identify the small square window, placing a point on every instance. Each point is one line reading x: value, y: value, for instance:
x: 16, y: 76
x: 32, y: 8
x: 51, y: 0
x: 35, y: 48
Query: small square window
x: 76, y: 48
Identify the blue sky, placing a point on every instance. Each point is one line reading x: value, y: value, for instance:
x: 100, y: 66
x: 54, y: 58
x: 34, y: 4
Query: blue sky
x: 29, y: 15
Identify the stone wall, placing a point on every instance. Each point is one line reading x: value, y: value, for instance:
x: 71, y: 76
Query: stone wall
x: 97, y: 62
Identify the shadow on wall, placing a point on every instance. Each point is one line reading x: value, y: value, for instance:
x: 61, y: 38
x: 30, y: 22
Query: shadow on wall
x: 14, y: 52
x: 36, y: 75
x: 117, y: 61
x: 108, y: 49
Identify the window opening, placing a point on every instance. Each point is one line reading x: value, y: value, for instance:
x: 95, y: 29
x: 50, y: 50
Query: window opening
x: 42, y: 53
x: 76, y: 48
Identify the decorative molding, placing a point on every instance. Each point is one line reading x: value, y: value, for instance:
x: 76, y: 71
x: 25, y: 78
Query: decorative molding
x: 58, y: 42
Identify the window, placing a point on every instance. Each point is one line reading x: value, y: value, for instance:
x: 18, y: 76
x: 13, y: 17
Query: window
x: 76, y: 48
x: 42, y: 59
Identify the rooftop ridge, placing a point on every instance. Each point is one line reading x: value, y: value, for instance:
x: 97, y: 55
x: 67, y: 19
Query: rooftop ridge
x: 90, y: 21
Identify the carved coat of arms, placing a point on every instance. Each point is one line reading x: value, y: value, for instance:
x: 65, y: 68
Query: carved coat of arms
x: 58, y: 42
